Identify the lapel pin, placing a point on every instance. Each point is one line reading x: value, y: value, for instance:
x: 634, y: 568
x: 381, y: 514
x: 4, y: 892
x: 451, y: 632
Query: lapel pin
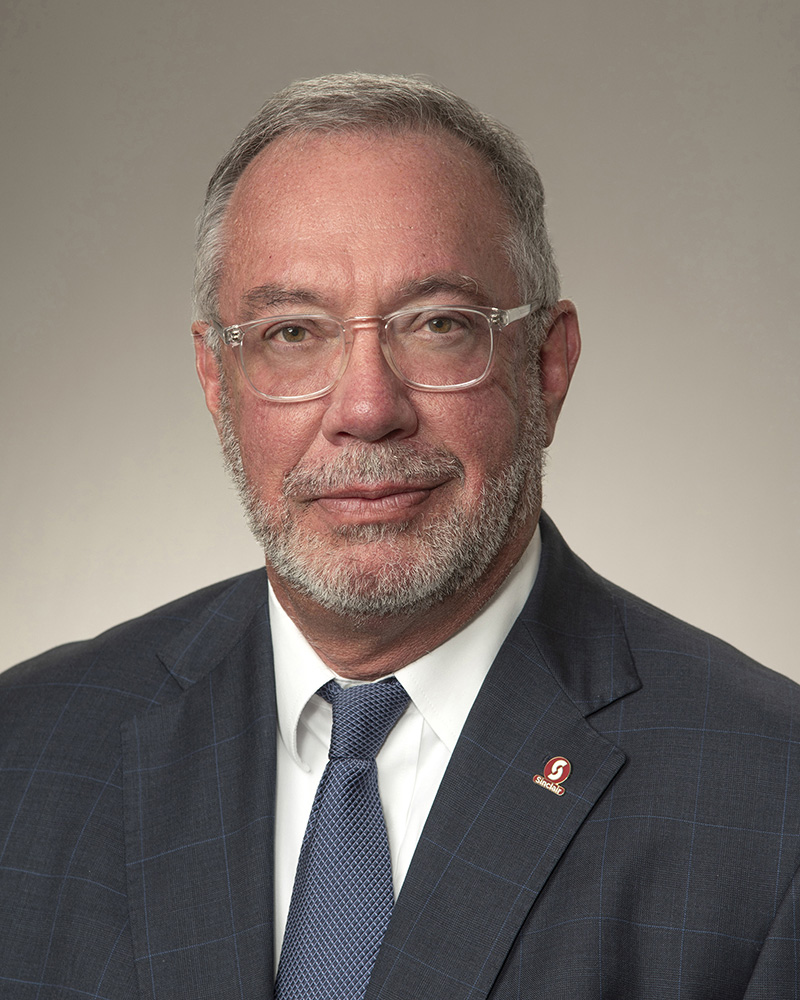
x: 556, y: 771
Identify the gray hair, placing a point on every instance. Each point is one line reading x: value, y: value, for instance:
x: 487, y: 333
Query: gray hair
x: 359, y: 102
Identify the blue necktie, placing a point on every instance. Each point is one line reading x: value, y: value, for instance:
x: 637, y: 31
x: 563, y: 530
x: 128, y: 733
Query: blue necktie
x: 342, y: 898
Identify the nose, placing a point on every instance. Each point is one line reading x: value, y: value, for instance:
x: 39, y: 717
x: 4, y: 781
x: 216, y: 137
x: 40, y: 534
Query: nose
x: 369, y: 402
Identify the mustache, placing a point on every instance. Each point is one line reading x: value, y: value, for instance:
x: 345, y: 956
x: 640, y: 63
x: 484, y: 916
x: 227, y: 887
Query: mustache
x: 372, y: 465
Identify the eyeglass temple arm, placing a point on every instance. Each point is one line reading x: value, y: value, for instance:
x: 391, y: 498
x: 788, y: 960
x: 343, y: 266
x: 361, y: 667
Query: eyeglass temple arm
x: 504, y: 317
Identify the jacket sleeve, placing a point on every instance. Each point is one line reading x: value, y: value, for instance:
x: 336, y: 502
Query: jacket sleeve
x: 776, y: 975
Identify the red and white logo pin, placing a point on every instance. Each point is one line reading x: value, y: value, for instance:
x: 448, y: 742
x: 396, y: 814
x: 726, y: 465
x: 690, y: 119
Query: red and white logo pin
x: 556, y: 771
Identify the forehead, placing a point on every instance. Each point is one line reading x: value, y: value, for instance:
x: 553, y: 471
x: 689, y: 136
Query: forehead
x: 364, y: 210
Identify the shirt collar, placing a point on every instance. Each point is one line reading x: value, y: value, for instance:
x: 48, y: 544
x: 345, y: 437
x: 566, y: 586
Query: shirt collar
x: 442, y: 684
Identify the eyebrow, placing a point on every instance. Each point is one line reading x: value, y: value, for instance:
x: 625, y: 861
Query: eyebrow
x: 270, y: 295
x: 445, y: 281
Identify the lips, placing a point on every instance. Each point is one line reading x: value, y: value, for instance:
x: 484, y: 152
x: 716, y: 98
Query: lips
x: 393, y: 475
x: 362, y: 492
x: 382, y: 503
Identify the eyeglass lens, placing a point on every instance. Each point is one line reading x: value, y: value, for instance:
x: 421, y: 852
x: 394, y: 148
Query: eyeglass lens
x: 300, y: 355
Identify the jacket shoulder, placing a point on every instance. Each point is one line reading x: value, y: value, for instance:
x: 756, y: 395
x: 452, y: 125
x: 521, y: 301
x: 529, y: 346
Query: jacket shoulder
x: 602, y: 638
x: 114, y: 674
x: 656, y: 637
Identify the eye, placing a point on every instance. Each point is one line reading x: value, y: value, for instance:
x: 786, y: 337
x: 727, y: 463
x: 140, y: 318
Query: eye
x: 293, y: 331
x: 288, y: 334
x: 440, y: 324
x: 446, y: 323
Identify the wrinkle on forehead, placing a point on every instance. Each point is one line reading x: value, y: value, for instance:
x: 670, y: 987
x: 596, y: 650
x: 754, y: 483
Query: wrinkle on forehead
x: 344, y: 211
x: 293, y: 168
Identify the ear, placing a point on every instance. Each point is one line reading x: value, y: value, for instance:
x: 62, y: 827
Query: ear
x: 557, y: 359
x: 208, y: 368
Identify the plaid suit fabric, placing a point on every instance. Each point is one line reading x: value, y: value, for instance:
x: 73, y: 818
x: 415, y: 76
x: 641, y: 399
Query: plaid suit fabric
x: 675, y: 879
x: 81, y: 866
x: 137, y: 777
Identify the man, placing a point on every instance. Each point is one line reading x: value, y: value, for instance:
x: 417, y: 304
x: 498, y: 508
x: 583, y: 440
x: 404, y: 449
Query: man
x: 576, y: 795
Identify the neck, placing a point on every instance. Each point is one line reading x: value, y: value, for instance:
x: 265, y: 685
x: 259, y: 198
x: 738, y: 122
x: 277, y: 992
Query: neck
x: 370, y: 647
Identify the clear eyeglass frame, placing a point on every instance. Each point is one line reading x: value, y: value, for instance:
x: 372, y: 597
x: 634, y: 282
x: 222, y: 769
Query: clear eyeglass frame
x: 234, y: 337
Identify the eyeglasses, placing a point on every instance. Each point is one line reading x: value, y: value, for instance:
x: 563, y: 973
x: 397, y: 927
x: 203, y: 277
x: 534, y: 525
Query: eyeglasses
x: 432, y: 348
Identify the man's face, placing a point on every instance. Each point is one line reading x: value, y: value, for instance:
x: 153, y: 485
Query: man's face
x: 376, y: 498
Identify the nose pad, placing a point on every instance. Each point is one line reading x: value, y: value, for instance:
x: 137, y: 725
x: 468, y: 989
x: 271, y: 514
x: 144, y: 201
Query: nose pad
x: 387, y: 355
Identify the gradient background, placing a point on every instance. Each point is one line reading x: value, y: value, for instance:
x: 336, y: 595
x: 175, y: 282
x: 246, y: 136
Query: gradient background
x: 667, y: 136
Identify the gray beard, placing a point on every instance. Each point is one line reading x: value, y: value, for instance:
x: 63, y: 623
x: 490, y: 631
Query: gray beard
x: 420, y: 565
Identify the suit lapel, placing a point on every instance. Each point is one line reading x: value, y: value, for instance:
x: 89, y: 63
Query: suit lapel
x: 494, y: 835
x: 199, y: 783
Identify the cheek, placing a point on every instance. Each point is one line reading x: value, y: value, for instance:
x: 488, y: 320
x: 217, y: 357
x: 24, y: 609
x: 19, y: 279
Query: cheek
x: 273, y: 438
x: 480, y: 426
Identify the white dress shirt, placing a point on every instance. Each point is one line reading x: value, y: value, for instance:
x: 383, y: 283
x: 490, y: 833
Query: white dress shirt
x: 442, y: 686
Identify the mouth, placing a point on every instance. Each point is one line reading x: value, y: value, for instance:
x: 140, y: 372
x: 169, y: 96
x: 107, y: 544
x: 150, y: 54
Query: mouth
x: 382, y: 485
x: 388, y: 501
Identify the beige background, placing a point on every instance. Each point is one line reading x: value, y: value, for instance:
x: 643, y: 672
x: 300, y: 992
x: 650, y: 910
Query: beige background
x: 667, y: 136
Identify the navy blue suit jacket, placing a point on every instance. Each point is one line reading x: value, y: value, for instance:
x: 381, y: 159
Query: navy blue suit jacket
x: 136, y: 816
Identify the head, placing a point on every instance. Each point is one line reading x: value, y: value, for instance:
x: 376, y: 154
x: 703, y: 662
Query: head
x: 362, y: 103
x: 357, y: 196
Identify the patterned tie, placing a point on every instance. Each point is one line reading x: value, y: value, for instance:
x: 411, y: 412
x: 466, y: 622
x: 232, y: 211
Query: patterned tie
x: 342, y: 897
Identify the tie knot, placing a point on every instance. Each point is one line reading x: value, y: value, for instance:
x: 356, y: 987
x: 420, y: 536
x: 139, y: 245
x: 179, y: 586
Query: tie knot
x: 363, y: 716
